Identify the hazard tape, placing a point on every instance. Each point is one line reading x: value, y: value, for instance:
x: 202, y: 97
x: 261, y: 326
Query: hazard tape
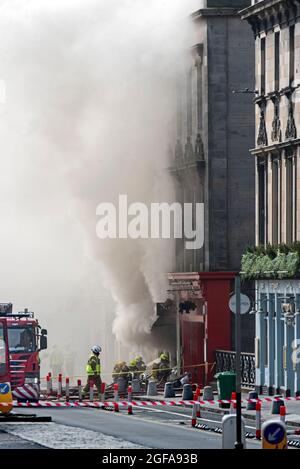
x: 145, y: 403
x: 199, y: 365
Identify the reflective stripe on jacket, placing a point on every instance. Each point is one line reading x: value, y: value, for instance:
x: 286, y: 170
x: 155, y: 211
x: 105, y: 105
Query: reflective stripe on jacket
x: 93, y: 366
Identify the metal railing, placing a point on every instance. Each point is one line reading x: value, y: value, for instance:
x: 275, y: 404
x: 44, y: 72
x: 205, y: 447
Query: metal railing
x: 225, y: 361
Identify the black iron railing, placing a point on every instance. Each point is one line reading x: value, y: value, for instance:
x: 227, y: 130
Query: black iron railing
x: 225, y: 361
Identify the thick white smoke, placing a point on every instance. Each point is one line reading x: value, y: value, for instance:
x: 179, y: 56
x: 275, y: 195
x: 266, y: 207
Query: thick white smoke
x: 87, y: 116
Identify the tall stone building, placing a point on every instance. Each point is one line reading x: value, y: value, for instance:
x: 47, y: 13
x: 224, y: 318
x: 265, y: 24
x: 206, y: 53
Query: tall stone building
x: 276, y: 28
x: 215, y: 129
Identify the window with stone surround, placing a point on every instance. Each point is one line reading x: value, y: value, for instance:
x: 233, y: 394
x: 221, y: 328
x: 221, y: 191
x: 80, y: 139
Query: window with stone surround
x: 262, y: 199
x: 290, y: 198
x: 275, y: 201
x: 292, y: 55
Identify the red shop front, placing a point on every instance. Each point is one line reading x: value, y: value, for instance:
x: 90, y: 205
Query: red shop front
x: 208, y: 327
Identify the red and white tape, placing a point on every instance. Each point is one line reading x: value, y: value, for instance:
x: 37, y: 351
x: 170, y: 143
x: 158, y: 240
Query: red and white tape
x: 27, y: 391
x: 144, y: 403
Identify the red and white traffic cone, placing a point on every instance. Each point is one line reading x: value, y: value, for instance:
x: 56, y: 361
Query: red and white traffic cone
x: 59, y: 386
x: 116, y: 392
x: 67, y: 389
x: 48, y: 385
x: 233, y: 404
x: 282, y: 411
x: 198, y: 411
x: 198, y: 393
x: 79, y: 390
x: 258, y: 420
x: 194, y: 415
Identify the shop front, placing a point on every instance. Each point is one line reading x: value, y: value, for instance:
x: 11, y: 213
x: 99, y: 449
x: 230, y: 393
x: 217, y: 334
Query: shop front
x: 203, y: 320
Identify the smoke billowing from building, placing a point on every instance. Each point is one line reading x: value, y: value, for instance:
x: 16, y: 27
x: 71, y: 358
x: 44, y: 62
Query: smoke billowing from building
x: 87, y: 116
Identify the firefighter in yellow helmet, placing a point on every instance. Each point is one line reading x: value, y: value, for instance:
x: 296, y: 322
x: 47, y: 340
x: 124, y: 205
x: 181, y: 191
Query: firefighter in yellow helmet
x: 93, y: 370
x: 161, y: 369
x: 137, y: 366
x: 120, y: 370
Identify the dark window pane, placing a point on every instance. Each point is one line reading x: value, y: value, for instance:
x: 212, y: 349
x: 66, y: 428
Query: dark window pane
x: 277, y: 61
x: 263, y: 65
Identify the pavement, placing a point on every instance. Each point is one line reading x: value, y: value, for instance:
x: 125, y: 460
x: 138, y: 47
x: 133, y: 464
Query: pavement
x: 11, y: 441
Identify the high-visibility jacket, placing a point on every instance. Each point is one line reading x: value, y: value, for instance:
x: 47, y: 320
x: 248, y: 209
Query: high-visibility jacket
x: 93, y: 366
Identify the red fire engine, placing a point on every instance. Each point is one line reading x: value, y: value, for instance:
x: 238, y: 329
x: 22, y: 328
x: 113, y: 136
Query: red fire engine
x: 5, y: 388
x: 25, y: 340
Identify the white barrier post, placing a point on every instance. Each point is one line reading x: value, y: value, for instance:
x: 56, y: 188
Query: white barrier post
x: 48, y: 386
x: 79, y: 390
x: 233, y: 404
x: 103, y: 387
x: 59, y: 386
x: 129, y: 390
x: 194, y: 415
x: 282, y: 413
x: 116, y: 392
x: 116, y: 397
x: 50, y: 382
x: 129, y: 398
x: 258, y: 420
x: 91, y: 392
x: 67, y: 389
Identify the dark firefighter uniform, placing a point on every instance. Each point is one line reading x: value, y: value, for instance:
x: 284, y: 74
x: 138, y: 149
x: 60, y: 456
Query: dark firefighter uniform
x: 93, y: 371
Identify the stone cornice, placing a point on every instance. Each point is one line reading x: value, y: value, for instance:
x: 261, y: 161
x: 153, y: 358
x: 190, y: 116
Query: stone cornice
x: 260, y: 7
x: 265, y: 15
x: 275, y: 94
x: 263, y: 150
x: 187, y: 165
x: 207, y: 12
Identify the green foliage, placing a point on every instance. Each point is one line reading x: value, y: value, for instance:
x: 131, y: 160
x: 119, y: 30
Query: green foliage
x: 281, y: 261
x: 271, y: 251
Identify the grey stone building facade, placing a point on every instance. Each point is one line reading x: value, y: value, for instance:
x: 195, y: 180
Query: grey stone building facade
x: 212, y: 165
x: 276, y: 28
x: 215, y: 129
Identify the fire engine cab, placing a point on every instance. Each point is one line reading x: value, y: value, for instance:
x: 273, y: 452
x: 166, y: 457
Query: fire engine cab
x: 6, y: 402
x: 25, y: 340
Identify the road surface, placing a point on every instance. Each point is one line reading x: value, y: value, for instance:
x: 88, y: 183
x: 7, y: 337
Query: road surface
x: 150, y: 428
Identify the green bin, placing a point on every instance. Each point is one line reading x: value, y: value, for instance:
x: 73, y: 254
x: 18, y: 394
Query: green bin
x: 226, y: 385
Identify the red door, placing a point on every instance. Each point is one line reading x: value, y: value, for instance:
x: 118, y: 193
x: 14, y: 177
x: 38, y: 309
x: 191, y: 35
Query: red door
x: 193, y: 349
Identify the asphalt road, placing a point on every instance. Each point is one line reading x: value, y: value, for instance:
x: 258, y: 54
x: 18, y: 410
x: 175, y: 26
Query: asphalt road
x: 151, y: 428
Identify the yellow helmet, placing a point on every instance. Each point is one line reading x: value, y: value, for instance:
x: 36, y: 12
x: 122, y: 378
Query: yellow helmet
x: 164, y: 357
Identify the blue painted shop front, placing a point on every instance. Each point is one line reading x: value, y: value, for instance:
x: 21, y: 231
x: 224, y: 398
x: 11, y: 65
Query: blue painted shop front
x: 277, y: 342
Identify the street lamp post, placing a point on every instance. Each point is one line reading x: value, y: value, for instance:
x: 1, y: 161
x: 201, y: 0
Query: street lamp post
x: 238, y: 443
